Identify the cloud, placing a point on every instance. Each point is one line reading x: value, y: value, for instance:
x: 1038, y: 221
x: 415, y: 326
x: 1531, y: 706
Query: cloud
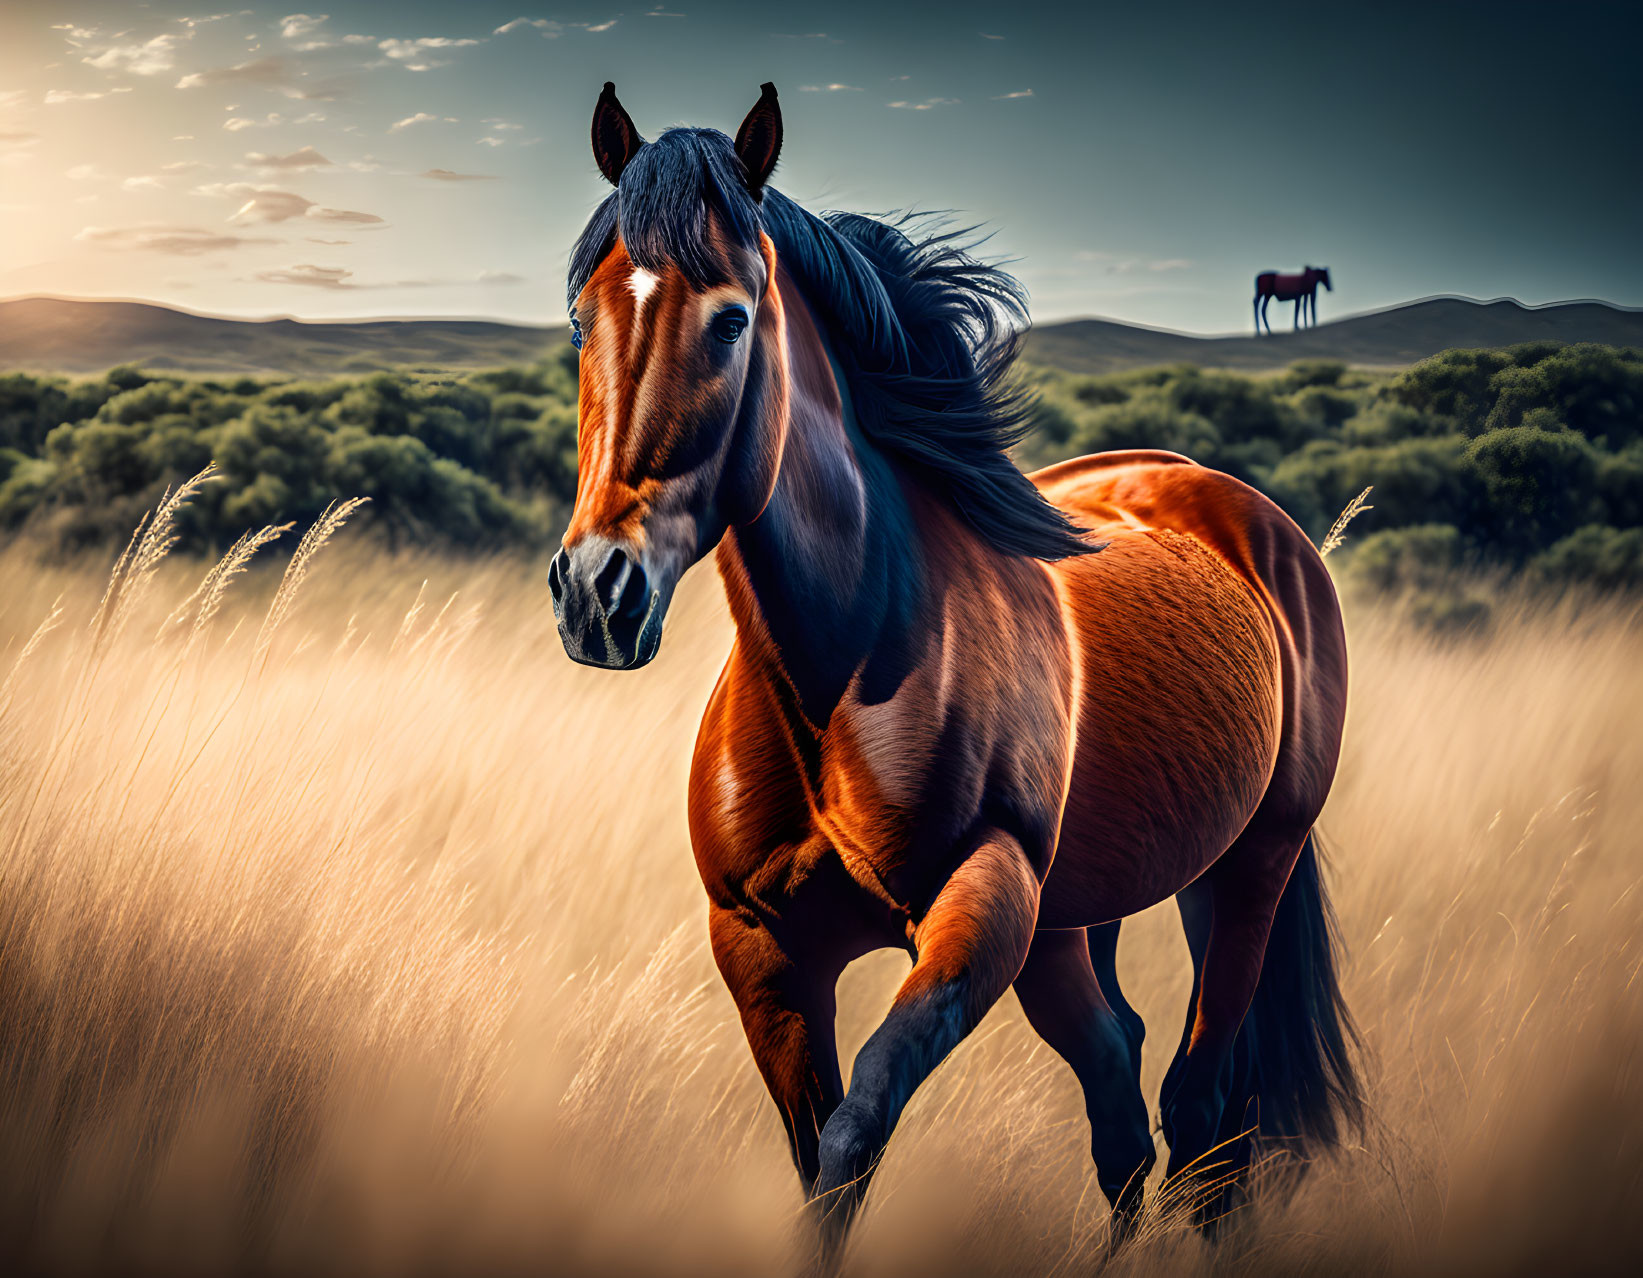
x: 302, y: 158
x: 1116, y: 265
x: 549, y: 28
x: 829, y: 88
x: 985, y: 36
x: 929, y: 104
x: 12, y: 97
x: 445, y: 175
x: 237, y: 123
x: 421, y: 117
x: 413, y: 54
x: 276, y: 72
x: 18, y: 138
x: 271, y: 204
x: 147, y: 182
x: 87, y: 173
x: 602, y: 26
x: 56, y: 96
x: 183, y: 166
x: 297, y: 25
x: 180, y: 241
x: 333, y: 277
x: 499, y: 124
x: 270, y: 73
x: 149, y: 58
x: 490, y: 142
x: 1019, y: 93
x: 339, y: 278
x: 314, y: 239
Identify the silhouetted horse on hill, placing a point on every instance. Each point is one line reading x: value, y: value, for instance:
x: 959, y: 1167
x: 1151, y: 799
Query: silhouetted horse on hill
x: 1301, y: 289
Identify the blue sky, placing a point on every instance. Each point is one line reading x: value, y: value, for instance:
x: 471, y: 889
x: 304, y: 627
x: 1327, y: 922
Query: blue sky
x: 1138, y: 162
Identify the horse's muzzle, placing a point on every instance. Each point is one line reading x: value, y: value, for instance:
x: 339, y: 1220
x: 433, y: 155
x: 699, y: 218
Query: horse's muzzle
x: 609, y: 613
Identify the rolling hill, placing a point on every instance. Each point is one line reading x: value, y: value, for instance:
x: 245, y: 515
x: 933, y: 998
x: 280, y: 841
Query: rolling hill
x: 44, y: 334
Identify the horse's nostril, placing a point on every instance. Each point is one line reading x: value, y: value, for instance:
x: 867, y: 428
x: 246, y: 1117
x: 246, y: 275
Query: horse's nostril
x: 612, y: 579
x: 556, y: 576
x: 634, y: 601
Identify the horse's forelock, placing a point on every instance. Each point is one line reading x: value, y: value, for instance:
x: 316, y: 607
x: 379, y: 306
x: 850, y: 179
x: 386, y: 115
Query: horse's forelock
x: 678, y: 195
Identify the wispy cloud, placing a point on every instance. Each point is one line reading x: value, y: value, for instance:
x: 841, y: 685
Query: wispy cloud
x: 275, y: 72
x: 238, y: 123
x: 56, y: 97
x: 272, y: 204
x: 986, y: 36
x: 489, y: 141
x: 829, y: 88
x: 297, y: 26
x: 546, y: 26
x: 1019, y: 93
x: 339, y: 278
x: 146, y: 182
x: 333, y: 277
x: 929, y: 104
x: 302, y: 158
x: 1118, y: 264
x: 421, y: 117
x: 151, y: 57
x: 413, y: 54
x: 180, y: 241
x: 446, y: 175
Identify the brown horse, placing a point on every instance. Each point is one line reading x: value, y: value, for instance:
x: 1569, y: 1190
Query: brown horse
x: 947, y: 724
x: 1301, y: 289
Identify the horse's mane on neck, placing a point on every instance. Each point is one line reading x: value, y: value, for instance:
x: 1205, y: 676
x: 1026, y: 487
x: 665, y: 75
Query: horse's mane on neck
x: 925, y: 334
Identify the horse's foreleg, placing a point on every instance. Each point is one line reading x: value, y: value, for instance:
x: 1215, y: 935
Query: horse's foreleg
x: 971, y: 945
x: 1062, y: 994
x: 1257, y: 315
x: 787, y: 1012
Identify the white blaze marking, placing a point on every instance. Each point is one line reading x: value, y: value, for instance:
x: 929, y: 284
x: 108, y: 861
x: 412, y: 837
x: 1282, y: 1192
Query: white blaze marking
x: 643, y: 284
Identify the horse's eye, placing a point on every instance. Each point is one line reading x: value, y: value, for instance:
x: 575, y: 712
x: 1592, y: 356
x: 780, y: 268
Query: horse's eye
x: 576, y: 334
x: 728, y: 326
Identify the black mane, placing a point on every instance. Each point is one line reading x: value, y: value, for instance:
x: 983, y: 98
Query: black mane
x: 926, y: 335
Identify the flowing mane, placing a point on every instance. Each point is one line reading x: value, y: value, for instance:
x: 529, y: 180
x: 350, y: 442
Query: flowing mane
x: 926, y: 335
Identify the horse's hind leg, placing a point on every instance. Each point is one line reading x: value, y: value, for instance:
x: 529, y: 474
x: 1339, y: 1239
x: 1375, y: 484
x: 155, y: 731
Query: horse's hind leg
x: 1062, y: 996
x: 1228, y: 915
x: 971, y: 945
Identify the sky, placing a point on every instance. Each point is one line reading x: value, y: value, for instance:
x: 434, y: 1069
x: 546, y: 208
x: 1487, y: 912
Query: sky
x: 1136, y: 162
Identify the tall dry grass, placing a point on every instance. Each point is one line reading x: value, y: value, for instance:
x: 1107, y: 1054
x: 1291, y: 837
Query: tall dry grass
x: 349, y: 928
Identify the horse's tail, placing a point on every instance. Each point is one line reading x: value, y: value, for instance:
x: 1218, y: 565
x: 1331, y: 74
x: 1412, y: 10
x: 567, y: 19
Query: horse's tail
x: 1300, y: 1040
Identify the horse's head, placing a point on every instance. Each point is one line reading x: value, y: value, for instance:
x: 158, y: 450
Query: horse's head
x: 1322, y: 273
x: 682, y: 404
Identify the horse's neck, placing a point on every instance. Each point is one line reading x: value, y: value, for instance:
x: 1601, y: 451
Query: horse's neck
x: 829, y: 573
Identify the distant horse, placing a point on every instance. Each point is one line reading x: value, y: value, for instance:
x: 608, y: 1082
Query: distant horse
x: 1301, y: 289
x: 947, y: 724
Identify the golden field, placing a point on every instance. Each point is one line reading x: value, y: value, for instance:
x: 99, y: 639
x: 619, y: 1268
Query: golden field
x: 369, y: 942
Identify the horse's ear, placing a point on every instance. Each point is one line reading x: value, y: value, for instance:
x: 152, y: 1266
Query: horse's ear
x: 759, y: 140
x: 615, y: 140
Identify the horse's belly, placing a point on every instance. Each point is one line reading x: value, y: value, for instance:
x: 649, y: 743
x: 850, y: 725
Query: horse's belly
x: 1178, y: 724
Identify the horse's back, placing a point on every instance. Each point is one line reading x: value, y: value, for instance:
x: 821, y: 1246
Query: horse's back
x: 1209, y: 645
